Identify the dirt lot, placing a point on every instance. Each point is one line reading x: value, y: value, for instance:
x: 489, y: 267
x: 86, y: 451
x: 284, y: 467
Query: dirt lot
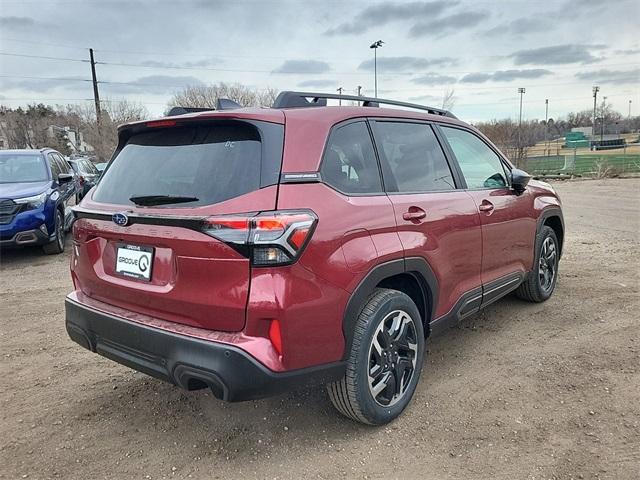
x: 519, y: 391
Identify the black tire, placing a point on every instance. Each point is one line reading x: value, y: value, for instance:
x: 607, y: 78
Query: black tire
x: 57, y: 245
x: 539, y: 286
x: 352, y: 395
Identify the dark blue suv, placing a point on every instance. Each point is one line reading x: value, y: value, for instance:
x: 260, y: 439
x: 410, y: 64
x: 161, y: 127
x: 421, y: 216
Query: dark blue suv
x: 36, y: 187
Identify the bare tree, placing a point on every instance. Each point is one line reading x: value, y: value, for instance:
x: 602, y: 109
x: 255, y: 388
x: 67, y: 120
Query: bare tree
x: 448, y: 99
x: 206, y: 96
x: 103, y: 137
x: 27, y: 128
x: 504, y: 134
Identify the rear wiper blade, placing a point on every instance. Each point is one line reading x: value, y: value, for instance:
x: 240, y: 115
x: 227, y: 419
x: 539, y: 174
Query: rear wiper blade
x: 150, y: 200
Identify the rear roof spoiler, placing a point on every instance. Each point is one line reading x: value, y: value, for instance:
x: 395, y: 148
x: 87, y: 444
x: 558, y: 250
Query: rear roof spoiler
x: 221, y: 104
x: 290, y: 99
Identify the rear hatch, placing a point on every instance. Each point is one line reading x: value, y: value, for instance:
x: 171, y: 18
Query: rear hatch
x: 140, y: 241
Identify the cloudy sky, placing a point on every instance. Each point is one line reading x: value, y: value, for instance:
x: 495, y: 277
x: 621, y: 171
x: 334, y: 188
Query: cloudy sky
x: 483, y: 50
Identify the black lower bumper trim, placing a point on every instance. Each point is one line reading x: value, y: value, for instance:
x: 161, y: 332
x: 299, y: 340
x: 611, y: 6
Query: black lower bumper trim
x: 191, y: 363
x: 26, y: 238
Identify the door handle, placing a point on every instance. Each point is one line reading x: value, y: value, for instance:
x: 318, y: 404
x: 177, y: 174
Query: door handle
x: 486, y: 206
x: 414, y: 214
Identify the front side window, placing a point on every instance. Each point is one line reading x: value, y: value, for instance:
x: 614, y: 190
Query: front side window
x: 63, y: 164
x: 481, y: 166
x: 416, y: 160
x: 55, y: 166
x: 88, y: 167
x: 349, y: 163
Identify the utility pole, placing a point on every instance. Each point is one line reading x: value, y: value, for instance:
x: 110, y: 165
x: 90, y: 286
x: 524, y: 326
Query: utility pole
x: 596, y: 89
x: 96, y: 96
x: 375, y: 46
x: 521, y: 91
x: 339, y: 90
x: 546, y: 124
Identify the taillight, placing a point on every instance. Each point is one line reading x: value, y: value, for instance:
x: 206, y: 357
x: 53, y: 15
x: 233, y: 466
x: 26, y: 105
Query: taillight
x: 82, y: 181
x: 161, y: 123
x: 268, y: 238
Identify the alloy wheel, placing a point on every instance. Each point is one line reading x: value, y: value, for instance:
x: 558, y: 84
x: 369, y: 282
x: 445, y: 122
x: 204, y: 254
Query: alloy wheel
x: 392, y: 358
x: 547, y: 264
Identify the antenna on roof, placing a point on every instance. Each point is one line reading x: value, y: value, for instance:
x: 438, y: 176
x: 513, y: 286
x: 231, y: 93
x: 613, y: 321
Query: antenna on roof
x: 226, y: 104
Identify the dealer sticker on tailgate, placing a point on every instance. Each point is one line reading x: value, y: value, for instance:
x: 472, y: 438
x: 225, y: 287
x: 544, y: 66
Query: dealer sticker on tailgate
x: 134, y: 261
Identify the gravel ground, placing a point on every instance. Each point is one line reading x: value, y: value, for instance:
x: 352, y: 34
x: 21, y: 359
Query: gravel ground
x: 519, y: 391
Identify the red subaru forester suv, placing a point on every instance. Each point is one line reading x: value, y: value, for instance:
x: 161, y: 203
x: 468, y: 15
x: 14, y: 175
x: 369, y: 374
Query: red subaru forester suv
x: 250, y: 251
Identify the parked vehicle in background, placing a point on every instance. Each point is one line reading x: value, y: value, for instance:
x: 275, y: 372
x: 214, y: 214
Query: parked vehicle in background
x: 37, y: 187
x: 101, y: 166
x: 218, y: 252
x: 87, y: 174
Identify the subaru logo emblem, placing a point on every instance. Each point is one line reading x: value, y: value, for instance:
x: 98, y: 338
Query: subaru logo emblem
x: 120, y: 219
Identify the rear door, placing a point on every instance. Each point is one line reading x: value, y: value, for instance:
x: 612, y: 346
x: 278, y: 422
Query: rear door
x: 139, y: 242
x: 435, y: 219
x: 508, y: 231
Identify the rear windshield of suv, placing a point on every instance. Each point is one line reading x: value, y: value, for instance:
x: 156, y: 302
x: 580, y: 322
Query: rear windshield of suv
x: 209, y: 162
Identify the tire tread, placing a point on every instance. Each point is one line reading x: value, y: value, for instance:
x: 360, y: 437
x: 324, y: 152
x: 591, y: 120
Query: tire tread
x: 343, y: 392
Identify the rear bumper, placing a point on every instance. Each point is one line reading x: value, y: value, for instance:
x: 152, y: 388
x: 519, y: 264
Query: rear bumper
x: 191, y: 363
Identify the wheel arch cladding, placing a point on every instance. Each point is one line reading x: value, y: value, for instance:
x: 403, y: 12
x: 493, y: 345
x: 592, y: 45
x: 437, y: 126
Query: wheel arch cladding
x: 412, y: 276
x: 556, y: 224
x: 552, y: 217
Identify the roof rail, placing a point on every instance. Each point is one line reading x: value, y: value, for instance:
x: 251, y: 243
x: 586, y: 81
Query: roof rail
x: 290, y: 99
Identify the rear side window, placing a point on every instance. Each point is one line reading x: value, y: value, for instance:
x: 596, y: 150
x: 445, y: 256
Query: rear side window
x: 414, y: 156
x: 212, y: 162
x: 349, y: 164
x: 481, y: 166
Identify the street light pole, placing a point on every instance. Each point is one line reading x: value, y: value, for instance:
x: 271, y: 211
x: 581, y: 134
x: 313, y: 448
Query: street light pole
x: 339, y: 90
x: 375, y: 45
x: 596, y: 89
x: 629, y: 110
x: 521, y: 91
x: 546, y: 123
x: 604, y: 104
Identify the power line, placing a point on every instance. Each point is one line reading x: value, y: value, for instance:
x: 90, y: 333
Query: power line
x: 31, y: 42
x: 66, y: 79
x: 275, y: 71
x: 8, y: 54
x: 459, y: 88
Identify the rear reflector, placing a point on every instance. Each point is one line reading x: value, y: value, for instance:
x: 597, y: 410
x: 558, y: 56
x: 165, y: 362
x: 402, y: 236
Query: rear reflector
x: 275, y: 336
x: 268, y: 238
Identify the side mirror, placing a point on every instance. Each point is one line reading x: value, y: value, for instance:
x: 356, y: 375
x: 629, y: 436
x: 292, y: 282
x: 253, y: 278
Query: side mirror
x: 65, y: 178
x: 519, y: 180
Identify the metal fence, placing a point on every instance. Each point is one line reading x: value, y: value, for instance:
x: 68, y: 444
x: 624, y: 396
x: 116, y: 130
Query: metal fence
x: 583, y: 165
